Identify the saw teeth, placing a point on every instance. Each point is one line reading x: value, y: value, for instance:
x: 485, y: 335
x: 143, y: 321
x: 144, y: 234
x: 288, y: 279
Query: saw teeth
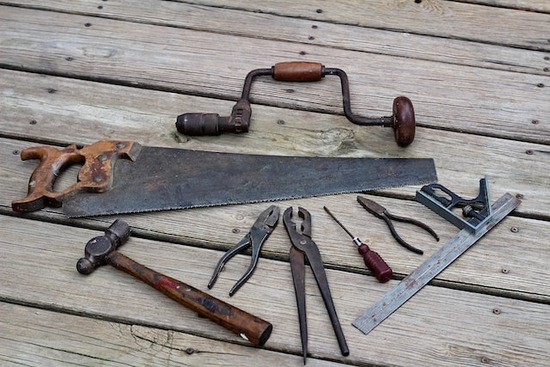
x: 170, y: 179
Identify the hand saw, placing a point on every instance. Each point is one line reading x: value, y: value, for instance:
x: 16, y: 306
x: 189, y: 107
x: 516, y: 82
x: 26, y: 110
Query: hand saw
x: 481, y: 219
x: 125, y: 177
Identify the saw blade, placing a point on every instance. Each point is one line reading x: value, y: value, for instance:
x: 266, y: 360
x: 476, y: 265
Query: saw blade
x: 169, y: 178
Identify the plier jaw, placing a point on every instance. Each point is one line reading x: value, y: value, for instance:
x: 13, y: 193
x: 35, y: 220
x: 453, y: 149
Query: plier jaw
x: 380, y: 212
x: 298, y: 237
x: 255, y: 238
x: 268, y: 219
x: 304, y: 247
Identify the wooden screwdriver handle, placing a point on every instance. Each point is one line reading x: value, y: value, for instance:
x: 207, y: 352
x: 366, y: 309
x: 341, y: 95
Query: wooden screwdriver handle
x: 248, y: 326
x: 375, y: 263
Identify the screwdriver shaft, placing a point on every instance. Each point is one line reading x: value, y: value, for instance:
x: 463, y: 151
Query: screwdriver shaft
x: 340, y: 224
x: 372, y: 260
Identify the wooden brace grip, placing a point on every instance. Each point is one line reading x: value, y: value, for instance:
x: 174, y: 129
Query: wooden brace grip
x: 298, y: 71
x: 242, y: 323
x: 95, y: 175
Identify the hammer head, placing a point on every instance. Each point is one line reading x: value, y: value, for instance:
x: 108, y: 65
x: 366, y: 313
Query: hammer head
x: 98, y: 248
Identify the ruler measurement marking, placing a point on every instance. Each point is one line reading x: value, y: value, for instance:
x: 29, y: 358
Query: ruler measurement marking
x: 431, y: 267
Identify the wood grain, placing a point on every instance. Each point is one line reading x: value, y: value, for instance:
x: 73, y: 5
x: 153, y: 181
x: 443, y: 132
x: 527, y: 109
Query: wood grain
x: 308, y: 32
x: 529, y: 5
x: 39, y: 337
x: 450, y: 19
x: 38, y: 269
x: 87, y: 112
x: 216, y: 226
x: 477, y: 73
x: 137, y: 58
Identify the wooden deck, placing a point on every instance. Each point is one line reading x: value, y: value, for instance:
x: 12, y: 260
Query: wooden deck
x: 477, y: 71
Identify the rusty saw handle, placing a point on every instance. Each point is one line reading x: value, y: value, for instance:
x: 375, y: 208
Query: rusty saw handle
x: 248, y: 326
x: 95, y: 175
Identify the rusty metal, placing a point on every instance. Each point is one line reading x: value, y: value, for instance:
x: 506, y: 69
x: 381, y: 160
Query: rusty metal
x: 303, y: 247
x: 402, y: 119
x: 255, y: 238
x: 380, y: 212
x: 167, y: 178
x: 475, y: 212
x: 434, y: 265
x: 102, y: 250
x: 95, y: 175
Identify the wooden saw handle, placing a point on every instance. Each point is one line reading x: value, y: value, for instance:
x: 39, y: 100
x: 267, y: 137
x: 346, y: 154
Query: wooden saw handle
x: 95, y: 175
x: 242, y: 323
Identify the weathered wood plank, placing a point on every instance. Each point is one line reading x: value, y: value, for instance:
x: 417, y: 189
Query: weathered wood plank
x: 491, y: 102
x: 524, y: 265
x: 36, y: 337
x: 38, y: 268
x: 490, y: 307
x: 451, y: 19
x: 84, y: 112
x: 308, y: 32
x: 530, y: 5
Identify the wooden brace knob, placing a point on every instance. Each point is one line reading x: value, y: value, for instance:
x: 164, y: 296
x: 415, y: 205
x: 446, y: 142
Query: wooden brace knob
x: 404, y: 123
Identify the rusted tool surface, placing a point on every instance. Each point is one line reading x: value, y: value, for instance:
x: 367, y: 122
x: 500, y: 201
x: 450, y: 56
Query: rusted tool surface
x: 380, y: 212
x: 95, y: 175
x: 435, y: 264
x: 475, y: 212
x: 159, y: 178
x: 102, y: 250
x: 402, y: 119
x: 255, y: 238
x: 303, y: 247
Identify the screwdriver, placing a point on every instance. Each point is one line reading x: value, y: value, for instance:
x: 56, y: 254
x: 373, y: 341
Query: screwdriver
x: 373, y: 261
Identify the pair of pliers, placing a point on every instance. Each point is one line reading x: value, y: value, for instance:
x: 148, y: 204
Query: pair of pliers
x: 304, y: 247
x: 255, y: 238
x: 380, y: 212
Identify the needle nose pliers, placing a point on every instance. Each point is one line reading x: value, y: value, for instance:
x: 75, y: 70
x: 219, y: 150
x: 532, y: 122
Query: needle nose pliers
x: 380, y: 212
x: 303, y: 247
x: 255, y: 238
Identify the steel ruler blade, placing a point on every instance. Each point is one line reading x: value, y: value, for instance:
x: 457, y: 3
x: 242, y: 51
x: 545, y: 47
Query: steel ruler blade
x: 431, y: 267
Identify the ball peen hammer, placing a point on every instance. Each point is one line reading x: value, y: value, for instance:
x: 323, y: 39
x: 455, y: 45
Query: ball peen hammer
x: 102, y: 250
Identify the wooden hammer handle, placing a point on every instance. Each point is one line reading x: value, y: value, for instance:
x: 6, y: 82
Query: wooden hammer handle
x: 246, y: 325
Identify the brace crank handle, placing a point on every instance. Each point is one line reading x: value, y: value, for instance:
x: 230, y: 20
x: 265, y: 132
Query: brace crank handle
x: 242, y: 323
x: 402, y: 120
x: 374, y: 262
x: 298, y: 71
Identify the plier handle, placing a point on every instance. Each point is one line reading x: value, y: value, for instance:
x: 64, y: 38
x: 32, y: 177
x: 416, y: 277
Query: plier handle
x: 303, y: 247
x: 255, y: 238
x: 380, y: 212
